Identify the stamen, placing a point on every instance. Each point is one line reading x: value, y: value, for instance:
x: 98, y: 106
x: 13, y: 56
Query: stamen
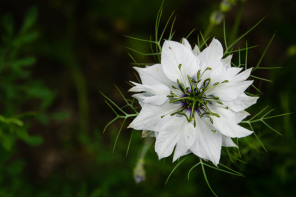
x: 191, y: 85
x: 179, y: 99
x: 206, y: 84
x: 180, y: 65
x: 182, y: 87
x: 208, y: 68
x: 198, y: 75
x: 192, y: 111
x: 193, y: 98
x: 211, y: 120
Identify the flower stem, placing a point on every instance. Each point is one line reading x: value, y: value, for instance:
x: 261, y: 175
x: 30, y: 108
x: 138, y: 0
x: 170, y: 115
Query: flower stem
x: 139, y: 170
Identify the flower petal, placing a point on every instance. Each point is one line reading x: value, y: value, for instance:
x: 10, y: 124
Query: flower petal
x: 149, y: 117
x: 157, y: 89
x: 196, y: 50
x: 229, y: 127
x: 211, y: 56
x: 242, y: 102
x: 229, y: 91
x: 229, y: 114
x: 178, y: 62
x: 165, y: 143
x: 207, y: 144
x: 180, y: 149
x: 152, y: 75
x: 243, y: 75
x: 227, y: 61
x: 186, y: 43
x: 221, y: 74
x: 186, y: 140
x: 153, y: 94
x: 240, y: 116
x: 174, y: 130
x: 227, y: 142
x: 154, y: 100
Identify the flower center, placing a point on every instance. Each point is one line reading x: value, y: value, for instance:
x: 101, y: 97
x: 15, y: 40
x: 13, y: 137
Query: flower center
x: 193, y: 100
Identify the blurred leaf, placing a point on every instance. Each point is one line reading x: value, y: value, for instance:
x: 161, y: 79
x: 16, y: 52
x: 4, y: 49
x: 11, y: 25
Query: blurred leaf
x: 30, y: 19
x: 25, y: 39
x: 11, y: 121
x: 8, y: 26
x: 34, y: 140
x: 6, y: 143
x: 62, y: 115
x: 15, y: 167
x: 20, y: 63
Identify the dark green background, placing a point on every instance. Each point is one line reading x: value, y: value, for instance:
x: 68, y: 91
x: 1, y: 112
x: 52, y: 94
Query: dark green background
x: 81, y: 50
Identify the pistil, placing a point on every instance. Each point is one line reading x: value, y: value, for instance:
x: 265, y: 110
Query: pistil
x: 193, y: 99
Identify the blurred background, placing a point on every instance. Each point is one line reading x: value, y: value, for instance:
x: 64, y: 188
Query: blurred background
x: 57, y: 55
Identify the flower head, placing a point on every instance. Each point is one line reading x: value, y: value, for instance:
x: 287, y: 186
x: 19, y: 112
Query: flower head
x: 193, y: 101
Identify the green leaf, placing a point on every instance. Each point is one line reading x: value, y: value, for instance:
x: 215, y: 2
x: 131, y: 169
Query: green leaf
x: 8, y: 25
x: 35, y: 140
x: 11, y: 121
x: 30, y: 19
x: 5, y: 141
x: 18, y: 64
x: 61, y: 115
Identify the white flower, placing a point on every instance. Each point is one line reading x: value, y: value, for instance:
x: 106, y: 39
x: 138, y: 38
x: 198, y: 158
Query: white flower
x: 193, y: 101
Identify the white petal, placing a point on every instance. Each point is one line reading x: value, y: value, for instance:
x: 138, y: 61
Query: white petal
x: 154, y: 100
x: 180, y: 149
x: 157, y: 89
x: 227, y: 142
x: 221, y: 74
x: 185, y: 142
x: 211, y: 56
x: 229, y: 127
x: 242, y: 102
x: 186, y: 43
x: 153, y: 94
x: 174, y: 55
x: 229, y: 91
x: 149, y: 117
x: 196, y: 50
x: 232, y: 72
x: 152, y: 75
x: 227, y: 61
x: 165, y: 143
x: 170, y: 134
x: 229, y: 114
x: 241, y: 116
x: 243, y: 75
x: 207, y: 144
x: 227, y: 123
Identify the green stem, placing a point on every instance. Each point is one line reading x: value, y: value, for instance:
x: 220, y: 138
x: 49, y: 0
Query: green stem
x: 139, y: 170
